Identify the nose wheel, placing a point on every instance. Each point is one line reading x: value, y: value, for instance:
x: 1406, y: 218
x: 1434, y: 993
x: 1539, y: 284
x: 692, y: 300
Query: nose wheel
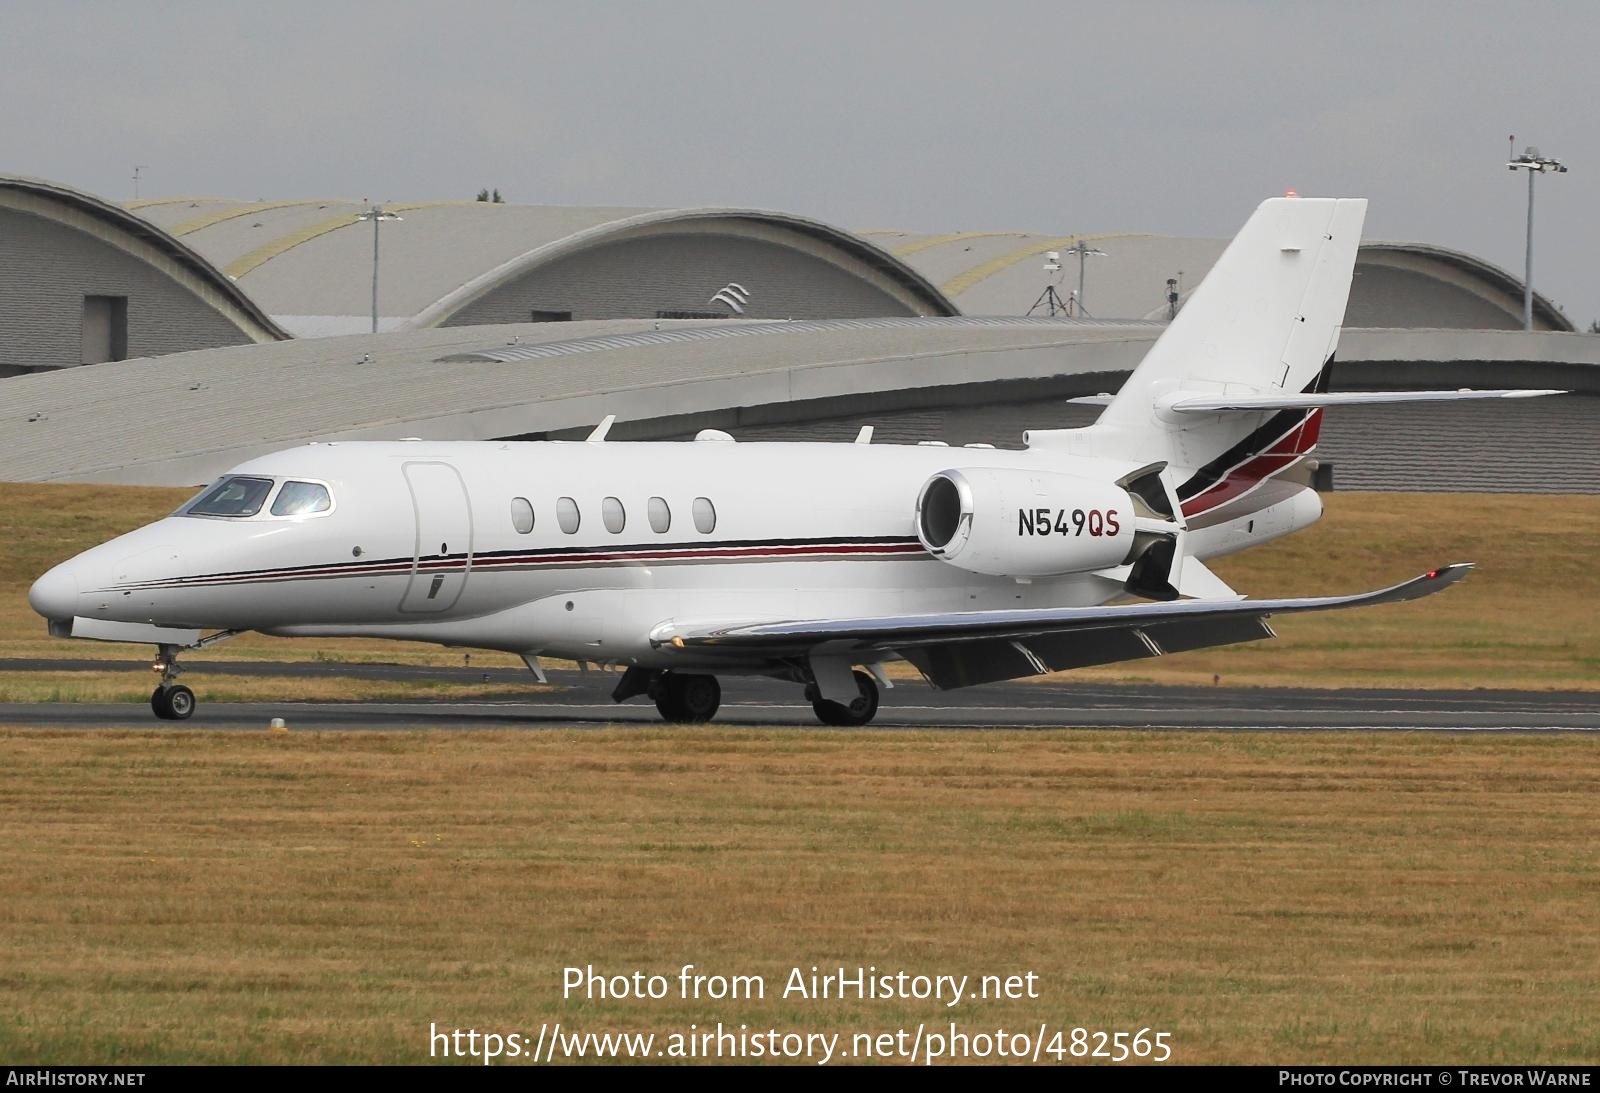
x: 172, y: 703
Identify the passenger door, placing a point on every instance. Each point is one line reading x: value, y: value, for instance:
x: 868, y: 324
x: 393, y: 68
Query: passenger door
x: 442, y: 555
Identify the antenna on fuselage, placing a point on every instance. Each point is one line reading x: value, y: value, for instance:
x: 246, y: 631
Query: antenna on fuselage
x: 600, y: 430
x: 865, y: 435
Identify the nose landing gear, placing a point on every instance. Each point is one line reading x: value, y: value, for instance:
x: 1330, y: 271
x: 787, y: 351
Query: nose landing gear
x: 171, y: 700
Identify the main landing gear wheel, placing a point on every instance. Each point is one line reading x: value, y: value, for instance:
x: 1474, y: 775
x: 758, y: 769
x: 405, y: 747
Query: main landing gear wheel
x: 861, y: 709
x: 689, y: 699
x: 175, y: 703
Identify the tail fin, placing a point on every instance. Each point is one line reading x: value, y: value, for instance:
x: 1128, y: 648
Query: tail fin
x: 1265, y: 320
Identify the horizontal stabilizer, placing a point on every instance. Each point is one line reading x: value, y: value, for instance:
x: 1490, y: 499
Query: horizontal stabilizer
x: 1180, y: 403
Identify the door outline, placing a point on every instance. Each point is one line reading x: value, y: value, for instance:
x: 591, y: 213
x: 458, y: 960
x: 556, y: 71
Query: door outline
x: 435, y: 579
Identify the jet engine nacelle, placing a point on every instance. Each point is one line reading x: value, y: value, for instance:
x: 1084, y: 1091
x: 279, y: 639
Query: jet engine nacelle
x: 1016, y: 523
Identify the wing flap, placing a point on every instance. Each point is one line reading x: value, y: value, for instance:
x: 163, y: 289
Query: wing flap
x: 969, y: 663
x: 955, y: 664
x: 1187, y: 635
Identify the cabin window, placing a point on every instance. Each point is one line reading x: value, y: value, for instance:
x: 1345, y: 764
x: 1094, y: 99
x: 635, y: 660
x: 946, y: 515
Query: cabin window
x: 705, y: 515
x: 236, y: 496
x: 613, y: 514
x: 567, y: 515
x: 301, y: 499
x: 660, y: 515
x: 522, y: 515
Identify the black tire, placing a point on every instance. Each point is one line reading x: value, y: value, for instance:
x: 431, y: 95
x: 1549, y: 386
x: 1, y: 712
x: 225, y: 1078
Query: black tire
x: 158, y: 704
x: 689, y: 699
x: 862, y: 710
x: 667, y: 704
x: 180, y: 700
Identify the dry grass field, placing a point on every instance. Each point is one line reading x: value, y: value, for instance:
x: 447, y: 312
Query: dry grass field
x: 1526, y: 619
x: 178, y: 897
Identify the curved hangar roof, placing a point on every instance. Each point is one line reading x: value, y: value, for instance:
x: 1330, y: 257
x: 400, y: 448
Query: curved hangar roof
x: 63, y: 247
x: 1396, y: 284
x: 184, y: 418
x: 459, y: 263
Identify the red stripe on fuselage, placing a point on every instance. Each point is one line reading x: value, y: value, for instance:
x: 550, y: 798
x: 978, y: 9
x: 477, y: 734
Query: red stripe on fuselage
x: 1284, y: 453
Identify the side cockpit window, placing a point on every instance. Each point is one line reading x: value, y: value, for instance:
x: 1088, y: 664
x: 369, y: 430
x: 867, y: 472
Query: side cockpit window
x: 301, y: 499
x: 236, y: 496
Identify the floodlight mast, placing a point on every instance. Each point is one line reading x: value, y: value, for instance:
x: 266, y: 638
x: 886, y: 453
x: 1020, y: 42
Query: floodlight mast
x: 377, y: 215
x: 1535, y: 164
x: 1083, y: 250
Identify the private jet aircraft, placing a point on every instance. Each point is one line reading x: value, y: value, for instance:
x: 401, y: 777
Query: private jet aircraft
x: 817, y: 563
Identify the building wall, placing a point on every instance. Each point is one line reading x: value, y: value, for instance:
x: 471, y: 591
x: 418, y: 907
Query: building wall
x: 46, y: 269
x: 637, y: 278
x: 1545, y: 445
x: 1385, y: 296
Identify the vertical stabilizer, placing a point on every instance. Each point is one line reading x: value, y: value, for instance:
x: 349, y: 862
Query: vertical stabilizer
x: 1265, y: 319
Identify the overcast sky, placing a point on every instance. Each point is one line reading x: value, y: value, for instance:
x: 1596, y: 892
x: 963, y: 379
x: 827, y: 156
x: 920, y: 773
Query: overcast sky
x: 1051, y: 117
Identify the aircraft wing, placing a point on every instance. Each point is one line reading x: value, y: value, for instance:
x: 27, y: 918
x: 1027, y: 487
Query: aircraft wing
x: 963, y: 648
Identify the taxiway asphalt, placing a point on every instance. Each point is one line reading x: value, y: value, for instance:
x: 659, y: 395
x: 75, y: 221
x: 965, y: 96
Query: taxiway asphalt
x: 581, y: 699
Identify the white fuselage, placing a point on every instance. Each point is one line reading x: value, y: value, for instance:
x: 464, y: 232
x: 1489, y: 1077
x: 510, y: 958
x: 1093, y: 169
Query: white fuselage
x: 422, y: 542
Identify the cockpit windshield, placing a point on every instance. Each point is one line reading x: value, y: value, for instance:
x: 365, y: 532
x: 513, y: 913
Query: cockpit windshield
x: 236, y: 496
x: 240, y: 496
x: 300, y: 498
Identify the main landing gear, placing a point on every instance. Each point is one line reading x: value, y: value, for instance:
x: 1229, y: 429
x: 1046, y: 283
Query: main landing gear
x: 687, y: 699
x: 860, y: 710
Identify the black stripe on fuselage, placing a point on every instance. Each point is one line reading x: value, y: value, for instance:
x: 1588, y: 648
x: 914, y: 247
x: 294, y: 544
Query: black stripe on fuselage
x: 861, y: 546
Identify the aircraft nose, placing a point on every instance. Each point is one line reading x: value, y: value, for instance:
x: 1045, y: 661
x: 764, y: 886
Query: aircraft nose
x: 55, y: 595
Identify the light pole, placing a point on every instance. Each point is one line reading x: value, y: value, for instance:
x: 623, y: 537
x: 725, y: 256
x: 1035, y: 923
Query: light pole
x: 1535, y: 164
x: 376, y: 214
x: 1082, y: 250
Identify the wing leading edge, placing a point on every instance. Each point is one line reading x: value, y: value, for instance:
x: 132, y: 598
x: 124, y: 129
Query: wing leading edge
x: 965, y: 648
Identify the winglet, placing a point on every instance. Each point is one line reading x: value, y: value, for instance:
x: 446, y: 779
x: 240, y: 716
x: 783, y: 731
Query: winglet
x: 1435, y: 580
x: 1426, y: 585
